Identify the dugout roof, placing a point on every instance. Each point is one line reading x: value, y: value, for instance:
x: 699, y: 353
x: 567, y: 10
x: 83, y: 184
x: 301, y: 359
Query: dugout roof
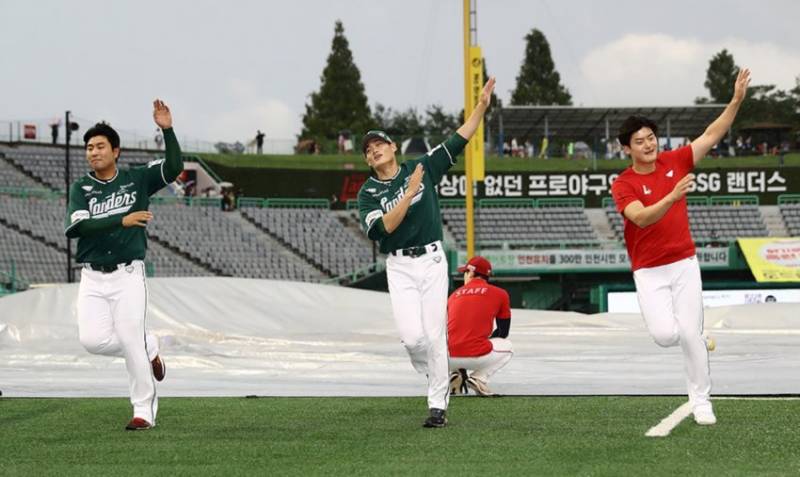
x: 588, y: 123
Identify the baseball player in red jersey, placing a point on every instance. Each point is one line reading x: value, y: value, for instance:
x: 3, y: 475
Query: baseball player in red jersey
x: 472, y: 311
x: 651, y: 196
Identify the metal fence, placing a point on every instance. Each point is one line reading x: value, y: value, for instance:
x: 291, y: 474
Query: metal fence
x: 40, y: 131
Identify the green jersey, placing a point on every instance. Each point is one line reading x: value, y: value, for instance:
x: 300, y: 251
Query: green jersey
x: 96, y: 208
x: 423, y: 221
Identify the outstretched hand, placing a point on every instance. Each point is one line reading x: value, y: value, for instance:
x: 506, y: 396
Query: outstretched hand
x: 682, y: 187
x: 161, y: 114
x: 742, y: 82
x: 486, y: 94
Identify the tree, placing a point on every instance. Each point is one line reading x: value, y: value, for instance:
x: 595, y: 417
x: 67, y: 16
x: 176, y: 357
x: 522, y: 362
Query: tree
x: 439, y: 124
x: 341, y: 103
x: 538, y: 82
x: 721, y: 77
x: 398, y: 124
x: 766, y: 104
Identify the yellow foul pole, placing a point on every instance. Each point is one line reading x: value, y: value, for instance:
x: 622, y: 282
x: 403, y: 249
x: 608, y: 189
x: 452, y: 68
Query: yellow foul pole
x: 468, y: 106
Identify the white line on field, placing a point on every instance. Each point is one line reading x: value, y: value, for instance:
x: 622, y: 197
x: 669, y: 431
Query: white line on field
x: 663, y: 428
x: 758, y: 398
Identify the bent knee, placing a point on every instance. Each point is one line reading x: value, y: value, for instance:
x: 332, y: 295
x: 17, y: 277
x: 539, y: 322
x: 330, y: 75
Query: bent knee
x: 665, y: 338
x: 93, y: 343
x: 414, y: 342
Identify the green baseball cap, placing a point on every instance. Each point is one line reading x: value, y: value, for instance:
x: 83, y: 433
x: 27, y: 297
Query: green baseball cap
x: 374, y: 134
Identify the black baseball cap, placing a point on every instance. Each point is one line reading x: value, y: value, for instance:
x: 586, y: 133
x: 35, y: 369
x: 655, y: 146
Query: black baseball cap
x: 374, y: 134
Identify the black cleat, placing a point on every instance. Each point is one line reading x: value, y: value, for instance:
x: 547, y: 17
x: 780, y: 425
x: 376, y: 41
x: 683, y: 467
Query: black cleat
x: 458, y: 382
x: 436, y: 419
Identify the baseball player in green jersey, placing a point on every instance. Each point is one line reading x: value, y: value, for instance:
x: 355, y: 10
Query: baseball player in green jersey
x: 399, y: 209
x: 107, y: 213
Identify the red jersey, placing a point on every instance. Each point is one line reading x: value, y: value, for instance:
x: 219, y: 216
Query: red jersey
x: 471, y: 311
x: 667, y: 240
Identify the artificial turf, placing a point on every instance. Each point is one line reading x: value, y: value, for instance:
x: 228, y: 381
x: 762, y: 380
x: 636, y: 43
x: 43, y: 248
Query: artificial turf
x: 384, y: 436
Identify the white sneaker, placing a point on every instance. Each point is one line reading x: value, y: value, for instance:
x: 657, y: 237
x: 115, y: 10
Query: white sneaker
x: 711, y: 343
x: 704, y: 415
x: 480, y: 387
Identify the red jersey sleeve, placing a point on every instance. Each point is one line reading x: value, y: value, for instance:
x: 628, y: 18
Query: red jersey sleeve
x: 504, y: 312
x: 623, y: 193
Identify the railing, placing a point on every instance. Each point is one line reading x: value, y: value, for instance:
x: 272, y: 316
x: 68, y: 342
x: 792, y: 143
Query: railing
x: 39, y: 131
x: 489, y: 203
x: 298, y: 203
x: 357, y: 274
x: 204, y: 165
x: 283, y: 203
x: 190, y: 201
x: 566, y: 202
x: 549, y: 244
x: 735, y: 200
x: 24, y: 193
x: 453, y: 203
x: 788, y: 199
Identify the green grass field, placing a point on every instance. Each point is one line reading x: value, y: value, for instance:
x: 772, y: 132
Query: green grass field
x: 383, y: 436
x: 493, y: 164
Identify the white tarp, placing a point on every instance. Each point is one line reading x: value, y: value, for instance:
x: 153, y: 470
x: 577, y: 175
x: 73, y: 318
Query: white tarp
x: 233, y: 337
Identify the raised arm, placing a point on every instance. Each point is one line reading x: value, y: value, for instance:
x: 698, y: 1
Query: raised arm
x: 471, y: 124
x: 719, y: 128
x: 173, y: 165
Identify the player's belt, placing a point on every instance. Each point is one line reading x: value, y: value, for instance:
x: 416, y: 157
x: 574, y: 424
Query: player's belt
x: 415, y: 252
x: 107, y: 268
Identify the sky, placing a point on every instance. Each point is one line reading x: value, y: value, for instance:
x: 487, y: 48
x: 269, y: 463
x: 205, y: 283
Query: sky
x: 229, y: 68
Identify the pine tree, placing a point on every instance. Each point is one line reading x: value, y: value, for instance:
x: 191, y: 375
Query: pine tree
x: 721, y: 77
x: 538, y: 82
x: 341, y: 103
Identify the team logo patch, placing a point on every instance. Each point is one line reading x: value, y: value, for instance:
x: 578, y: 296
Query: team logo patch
x: 670, y: 173
x: 129, y: 269
x: 87, y: 188
x: 437, y: 259
x: 646, y: 190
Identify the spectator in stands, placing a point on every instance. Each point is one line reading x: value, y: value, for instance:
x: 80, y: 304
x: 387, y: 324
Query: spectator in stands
x: 158, y: 138
x: 472, y: 311
x: 529, y: 152
x: 259, y: 141
x: 783, y: 152
x: 54, y: 125
x: 506, y: 148
x: 543, y: 152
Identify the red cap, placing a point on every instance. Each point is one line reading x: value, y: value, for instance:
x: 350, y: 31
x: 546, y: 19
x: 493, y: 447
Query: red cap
x: 477, y: 264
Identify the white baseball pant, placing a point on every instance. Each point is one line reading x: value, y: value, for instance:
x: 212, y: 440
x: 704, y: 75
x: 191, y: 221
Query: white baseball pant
x: 483, y: 367
x: 418, y: 290
x: 111, y: 321
x: 671, y: 300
